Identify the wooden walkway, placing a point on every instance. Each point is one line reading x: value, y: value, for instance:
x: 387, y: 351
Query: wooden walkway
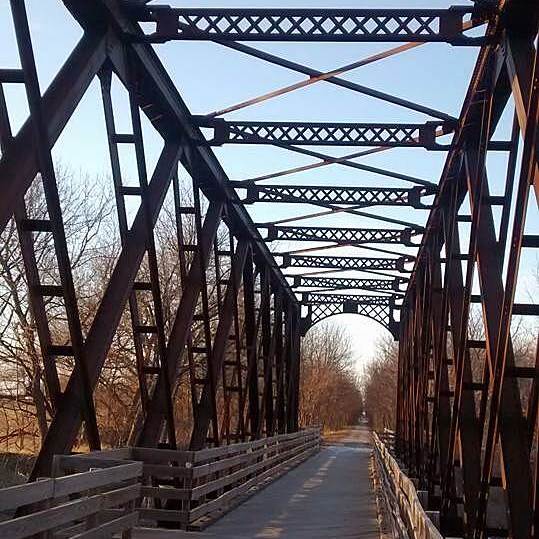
x: 329, y: 496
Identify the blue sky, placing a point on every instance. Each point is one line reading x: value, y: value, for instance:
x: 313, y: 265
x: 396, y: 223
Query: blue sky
x: 211, y: 77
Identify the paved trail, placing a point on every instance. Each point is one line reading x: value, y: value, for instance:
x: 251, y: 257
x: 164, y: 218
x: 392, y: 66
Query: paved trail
x: 327, y: 497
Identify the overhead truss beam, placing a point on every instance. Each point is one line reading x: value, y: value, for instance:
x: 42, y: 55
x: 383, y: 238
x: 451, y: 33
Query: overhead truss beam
x: 323, y: 194
x: 390, y: 135
x: 310, y: 298
x: 344, y: 283
x: 344, y: 262
x: 343, y: 25
x: 342, y: 236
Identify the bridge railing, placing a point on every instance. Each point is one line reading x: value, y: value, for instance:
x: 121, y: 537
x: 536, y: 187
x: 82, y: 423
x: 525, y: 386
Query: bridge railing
x: 87, y: 505
x: 187, y: 488
x: 407, y: 517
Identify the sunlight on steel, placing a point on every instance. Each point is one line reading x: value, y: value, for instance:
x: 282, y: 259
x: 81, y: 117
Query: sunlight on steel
x: 311, y: 249
x: 328, y: 160
x: 319, y: 272
x: 384, y: 274
x: 325, y: 161
x: 360, y: 166
x: 331, y: 271
x: 341, y: 245
x: 276, y: 60
x: 313, y: 79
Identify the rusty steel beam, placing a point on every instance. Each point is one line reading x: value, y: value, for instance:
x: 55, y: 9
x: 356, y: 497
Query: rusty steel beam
x: 280, y: 411
x: 323, y: 195
x: 344, y: 283
x: 502, y: 354
x: 251, y: 338
x: 346, y: 236
x: 384, y: 135
x: 342, y: 25
x: 344, y: 262
x: 66, y: 422
x: 203, y: 413
x: 293, y: 367
x: 266, y: 344
x: 19, y: 163
x: 488, y: 413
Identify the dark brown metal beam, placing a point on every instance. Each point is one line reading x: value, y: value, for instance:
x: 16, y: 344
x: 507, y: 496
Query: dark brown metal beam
x: 203, y: 414
x: 19, y: 164
x: 65, y: 424
x: 179, y: 333
x: 313, y: 25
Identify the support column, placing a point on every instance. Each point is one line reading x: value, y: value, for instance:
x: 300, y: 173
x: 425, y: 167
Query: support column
x: 204, y: 409
x: 251, y: 339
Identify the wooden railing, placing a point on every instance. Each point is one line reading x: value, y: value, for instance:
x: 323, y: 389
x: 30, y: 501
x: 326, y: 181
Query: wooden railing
x: 183, y: 488
x: 87, y: 505
x: 403, y: 509
x: 98, y: 494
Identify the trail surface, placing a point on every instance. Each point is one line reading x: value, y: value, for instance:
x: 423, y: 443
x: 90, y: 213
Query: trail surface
x: 327, y: 497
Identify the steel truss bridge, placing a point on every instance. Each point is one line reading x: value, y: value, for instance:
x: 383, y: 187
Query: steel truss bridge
x: 450, y: 257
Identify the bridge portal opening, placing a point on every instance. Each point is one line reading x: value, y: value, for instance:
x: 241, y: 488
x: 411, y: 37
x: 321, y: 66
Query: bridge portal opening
x: 348, y: 373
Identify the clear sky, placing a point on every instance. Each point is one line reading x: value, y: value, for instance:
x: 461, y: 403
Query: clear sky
x: 210, y: 77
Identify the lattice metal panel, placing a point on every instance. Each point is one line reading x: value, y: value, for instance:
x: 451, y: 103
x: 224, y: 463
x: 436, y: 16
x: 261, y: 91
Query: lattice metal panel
x: 343, y: 283
x: 325, y: 134
x: 339, y: 235
x: 315, y: 194
x: 343, y: 262
x: 379, y: 313
x: 345, y: 25
x: 315, y: 299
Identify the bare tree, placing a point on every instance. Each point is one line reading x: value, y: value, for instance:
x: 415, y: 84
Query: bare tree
x: 380, y: 385
x: 329, y: 390
x: 25, y: 404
